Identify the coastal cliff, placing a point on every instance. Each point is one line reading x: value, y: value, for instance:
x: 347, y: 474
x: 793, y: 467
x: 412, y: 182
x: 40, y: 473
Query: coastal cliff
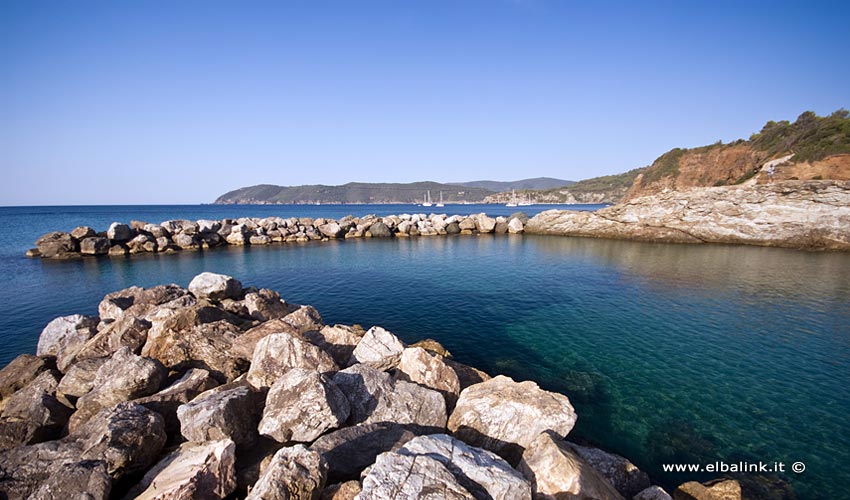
x: 813, y: 215
x: 221, y: 391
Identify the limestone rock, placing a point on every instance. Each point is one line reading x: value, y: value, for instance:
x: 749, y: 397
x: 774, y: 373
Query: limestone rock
x: 379, y: 349
x: 653, y: 493
x: 56, y: 245
x: 221, y: 414
x: 351, y: 449
x: 125, y: 376
x: 33, y: 414
x: 619, y: 471
x: 194, y: 470
x: 243, y: 346
x: 119, y: 232
x: 339, y: 341
x: 127, y: 332
x: 65, y: 336
x: 265, y: 304
x: 295, y: 473
x: 278, y: 353
x: 421, y: 367
x: 138, y: 302
x: 715, y: 490
x: 380, y: 230
x: 795, y: 214
x: 466, y: 374
x: 398, y: 477
x: 82, y: 232
x: 20, y: 372
x: 79, y: 379
x: 94, y: 246
x: 341, y: 491
x: 215, y: 286
x: 485, y: 224
x: 506, y: 416
x: 483, y: 473
x: 332, y: 230
x: 305, y: 319
x: 375, y: 397
x: 556, y: 472
x: 84, y: 480
x: 433, y: 347
x: 515, y: 226
x: 301, y: 406
x: 186, y: 388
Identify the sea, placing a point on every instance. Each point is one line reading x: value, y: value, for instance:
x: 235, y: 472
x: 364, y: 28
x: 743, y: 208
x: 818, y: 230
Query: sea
x: 671, y: 354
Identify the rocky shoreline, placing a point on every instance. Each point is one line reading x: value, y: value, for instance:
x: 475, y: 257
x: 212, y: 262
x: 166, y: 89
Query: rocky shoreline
x: 219, y: 391
x: 810, y: 215
x: 184, y: 235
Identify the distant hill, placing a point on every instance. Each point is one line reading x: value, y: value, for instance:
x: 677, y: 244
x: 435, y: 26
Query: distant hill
x: 605, y: 189
x: 813, y: 147
x: 536, y: 183
x: 353, y: 193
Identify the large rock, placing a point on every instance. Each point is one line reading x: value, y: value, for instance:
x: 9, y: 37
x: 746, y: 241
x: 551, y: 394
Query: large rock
x: 20, y: 372
x: 186, y: 388
x: 83, y: 232
x: 79, y: 379
x: 215, y: 286
x: 515, y: 226
x: 243, y: 346
x: 295, y: 473
x: 483, y: 473
x: 714, y: 490
x: 506, y: 416
x: 138, y: 302
x: 619, y: 471
x: 379, y: 349
x: 466, y: 374
x: 555, y: 472
x: 125, y: 376
x: 278, y: 353
x: 421, y: 367
x: 339, y: 341
x: 265, y: 304
x: 795, y: 214
x: 65, y: 336
x: 653, y: 493
x: 332, y: 230
x: 351, y: 449
x: 342, y: 491
x: 192, y: 471
x: 57, y: 245
x: 485, y: 224
x: 33, y: 414
x: 402, y: 477
x: 128, y: 331
x: 94, y: 246
x: 305, y: 319
x: 221, y: 413
x: 119, y: 232
x: 374, y: 396
x: 301, y: 406
x: 380, y: 230
x: 84, y: 480
x: 127, y: 438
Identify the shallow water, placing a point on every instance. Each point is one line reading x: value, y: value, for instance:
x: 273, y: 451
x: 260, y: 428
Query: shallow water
x: 670, y: 353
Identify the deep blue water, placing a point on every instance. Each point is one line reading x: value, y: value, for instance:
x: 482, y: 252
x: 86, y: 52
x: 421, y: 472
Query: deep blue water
x: 669, y: 352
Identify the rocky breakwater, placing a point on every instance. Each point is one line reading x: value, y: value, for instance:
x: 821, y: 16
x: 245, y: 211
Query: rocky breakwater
x: 812, y: 215
x: 221, y: 391
x: 185, y: 235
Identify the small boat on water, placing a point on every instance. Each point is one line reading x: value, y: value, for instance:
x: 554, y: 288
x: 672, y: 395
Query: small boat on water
x: 440, y: 204
x: 513, y: 202
x: 427, y: 201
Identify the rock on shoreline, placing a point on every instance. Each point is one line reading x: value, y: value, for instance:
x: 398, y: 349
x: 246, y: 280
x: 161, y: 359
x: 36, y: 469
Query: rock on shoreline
x: 811, y: 215
x: 175, y: 411
x: 172, y: 236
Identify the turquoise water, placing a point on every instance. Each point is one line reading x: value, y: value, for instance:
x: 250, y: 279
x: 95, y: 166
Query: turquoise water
x: 670, y: 353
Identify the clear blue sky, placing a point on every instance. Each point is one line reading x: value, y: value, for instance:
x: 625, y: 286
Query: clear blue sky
x: 179, y: 101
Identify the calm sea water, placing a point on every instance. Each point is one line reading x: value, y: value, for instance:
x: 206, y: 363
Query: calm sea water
x: 670, y: 353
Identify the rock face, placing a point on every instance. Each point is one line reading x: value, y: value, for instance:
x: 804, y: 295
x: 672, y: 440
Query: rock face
x: 619, y: 471
x: 220, y: 414
x: 504, y: 416
x: 396, y: 476
x: 379, y: 349
x: 483, y: 473
x: 301, y: 406
x: 375, y: 397
x: 166, y: 402
x: 64, y: 337
x: 556, y: 472
x: 794, y: 214
x: 20, y: 372
x: 56, y: 245
x: 295, y: 473
x: 421, y: 367
x: 278, y: 353
x: 33, y: 414
x: 86, y: 479
x: 194, y: 470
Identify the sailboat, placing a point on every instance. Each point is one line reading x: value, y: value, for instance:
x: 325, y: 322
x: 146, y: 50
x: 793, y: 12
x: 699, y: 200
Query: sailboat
x: 525, y: 201
x: 512, y: 203
x: 440, y: 204
x: 427, y: 202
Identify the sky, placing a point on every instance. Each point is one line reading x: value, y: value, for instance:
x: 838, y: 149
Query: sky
x: 164, y: 102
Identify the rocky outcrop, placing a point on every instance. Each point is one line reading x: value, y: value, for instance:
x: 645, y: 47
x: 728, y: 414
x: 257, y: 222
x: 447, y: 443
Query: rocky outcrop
x: 504, y: 416
x: 180, y: 236
x: 230, y: 378
x: 812, y: 215
x: 714, y: 490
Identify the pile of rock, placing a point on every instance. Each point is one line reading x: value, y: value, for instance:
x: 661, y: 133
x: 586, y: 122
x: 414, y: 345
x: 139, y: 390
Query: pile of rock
x: 175, y: 235
x: 222, y: 391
